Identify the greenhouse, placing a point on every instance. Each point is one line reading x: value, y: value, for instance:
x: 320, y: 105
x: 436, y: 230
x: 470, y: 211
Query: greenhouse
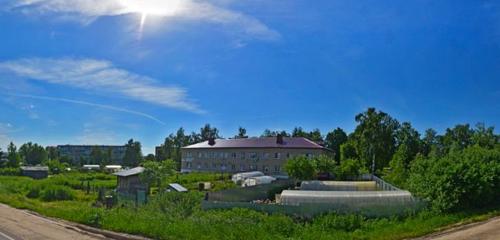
x: 253, y: 181
x: 349, y: 198
x: 339, y: 186
x: 240, y: 177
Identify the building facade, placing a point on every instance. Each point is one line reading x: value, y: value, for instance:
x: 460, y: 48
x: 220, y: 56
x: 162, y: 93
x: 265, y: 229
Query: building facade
x: 81, y: 154
x: 268, y: 154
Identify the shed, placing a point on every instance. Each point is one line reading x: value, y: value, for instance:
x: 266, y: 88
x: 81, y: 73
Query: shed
x: 339, y: 185
x: 129, y: 181
x: 253, y: 181
x: 347, y: 198
x: 240, y: 177
x: 176, y: 187
x: 91, y: 167
x: 35, y: 172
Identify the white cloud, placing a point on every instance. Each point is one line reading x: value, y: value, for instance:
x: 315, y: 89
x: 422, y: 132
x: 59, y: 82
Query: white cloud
x: 86, y: 11
x: 100, y: 76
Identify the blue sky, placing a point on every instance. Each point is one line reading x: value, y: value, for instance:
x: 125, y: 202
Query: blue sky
x: 104, y: 71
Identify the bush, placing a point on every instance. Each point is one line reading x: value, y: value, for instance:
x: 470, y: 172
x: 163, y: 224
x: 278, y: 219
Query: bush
x: 57, y: 193
x: 339, y: 222
x: 462, y: 179
x: 10, y: 172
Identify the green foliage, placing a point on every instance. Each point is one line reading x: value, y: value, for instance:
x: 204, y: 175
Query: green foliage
x: 334, y: 140
x: 156, y: 172
x: 348, y: 150
x: 349, y: 169
x: 133, y: 154
x: 460, y: 180
x: 339, y: 222
x: 13, y: 157
x: 33, y: 154
x: 10, y: 171
x: 301, y: 168
x: 324, y: 164
x: 56, y: 167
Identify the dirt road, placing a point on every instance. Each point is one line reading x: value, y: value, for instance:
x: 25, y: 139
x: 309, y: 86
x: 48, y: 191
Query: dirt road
x: 487, y: 230
x: 18, y: 224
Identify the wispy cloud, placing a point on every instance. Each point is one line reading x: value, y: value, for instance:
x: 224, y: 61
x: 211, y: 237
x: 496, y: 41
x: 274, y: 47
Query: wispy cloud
x: 100, y: 76
x: 86, y: 11
x: 108, y: 107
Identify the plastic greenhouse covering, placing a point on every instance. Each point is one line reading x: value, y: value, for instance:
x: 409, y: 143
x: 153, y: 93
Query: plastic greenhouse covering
x: 350, y: 198
x: 244, y: 175
x: 258, y: 180
x: 339, y: 186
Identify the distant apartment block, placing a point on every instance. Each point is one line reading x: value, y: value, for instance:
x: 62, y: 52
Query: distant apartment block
x: 268, y: 154
x: 80, y: 154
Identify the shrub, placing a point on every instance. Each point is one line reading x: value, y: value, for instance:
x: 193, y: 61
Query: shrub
x: 462, y: 179
x: 10, y: 172
x: 57, y: 193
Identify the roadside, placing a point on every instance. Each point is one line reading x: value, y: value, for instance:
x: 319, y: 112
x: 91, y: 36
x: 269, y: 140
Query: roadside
x: 485, y: 230
x: 21, y: 224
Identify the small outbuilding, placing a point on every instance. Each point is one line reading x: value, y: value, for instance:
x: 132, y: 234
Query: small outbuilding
x: 113, y: 168
x: 91, y: 167
x: 129, y: 181
x: 35, y: 172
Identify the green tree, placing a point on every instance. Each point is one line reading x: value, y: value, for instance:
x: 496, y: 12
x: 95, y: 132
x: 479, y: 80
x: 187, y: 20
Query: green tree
x: 399, y: 165
x: 301, y: 168
x: 375, y: 138
x: 13, y: 157
x: 348, y: 151
x: 484, y: 136
x: 208, y: 132
x: 430, y: 142
x: 133, y: 153
x: 324, y: 164
x: 96, y: 155
x: 334, y: 140
x: 150, y: 157
x: 52, y: 152
x: 269, y: 133
x: 349, y: 169
x: 242, y: 133
x: 155, y: 173
x: 32, y: 154
x: 458, y: 138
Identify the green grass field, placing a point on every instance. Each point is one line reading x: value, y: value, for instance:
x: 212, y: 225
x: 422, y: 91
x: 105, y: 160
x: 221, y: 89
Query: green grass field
x: 179, y: 216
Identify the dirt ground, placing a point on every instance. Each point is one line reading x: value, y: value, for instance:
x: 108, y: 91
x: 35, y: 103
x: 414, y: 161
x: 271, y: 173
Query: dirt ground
x: 487, y: 230
x: 18, y: 224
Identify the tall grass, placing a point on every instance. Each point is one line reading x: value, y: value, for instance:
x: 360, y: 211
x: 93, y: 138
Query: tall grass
x: 179, y: 215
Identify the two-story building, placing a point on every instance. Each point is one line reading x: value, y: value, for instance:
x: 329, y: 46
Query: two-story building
x: 266, y: 154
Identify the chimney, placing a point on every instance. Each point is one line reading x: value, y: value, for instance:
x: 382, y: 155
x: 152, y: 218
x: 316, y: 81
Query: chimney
x: 211, y: 141
x: 279, y: 139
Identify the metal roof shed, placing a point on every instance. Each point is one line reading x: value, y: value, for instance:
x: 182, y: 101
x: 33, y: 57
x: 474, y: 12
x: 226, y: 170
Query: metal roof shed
x: 177, y: 187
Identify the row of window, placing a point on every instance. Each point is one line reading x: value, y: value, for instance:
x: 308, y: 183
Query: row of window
x: 241, y: 155
x: 233, y: 167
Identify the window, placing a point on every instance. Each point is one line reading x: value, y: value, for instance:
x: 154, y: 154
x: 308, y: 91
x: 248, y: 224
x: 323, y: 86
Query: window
x: 242, y: 167
x: 265, y: 168
x: 199, y: 154
x: 288, y: 155
x: 234, y: 155
x: 189, y: 154
x: 233, y: 166
x: 277, y: 168
x: 226, y: 155
x: 277, y: 155
x: 242, y: 155
x: 214, y: 165
x: 188, y: 164
x: 309, y: 155
x: 266, y: 155
x: 253, y: 155
x: 199, y: 166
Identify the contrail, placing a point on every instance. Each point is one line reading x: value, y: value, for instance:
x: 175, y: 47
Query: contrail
x: 112, y: 108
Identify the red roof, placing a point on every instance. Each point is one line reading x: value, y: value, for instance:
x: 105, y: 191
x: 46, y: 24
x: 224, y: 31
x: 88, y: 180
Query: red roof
x: 264, y: 142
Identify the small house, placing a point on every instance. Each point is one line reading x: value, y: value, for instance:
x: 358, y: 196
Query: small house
x: 129, y: 181
x: 35, y: 172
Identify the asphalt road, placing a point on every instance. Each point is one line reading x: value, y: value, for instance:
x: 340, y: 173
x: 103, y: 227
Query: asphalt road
x: 18, y: 224
x: 487, y: 230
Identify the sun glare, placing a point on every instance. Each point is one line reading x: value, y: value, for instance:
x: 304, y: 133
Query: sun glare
x: 153, y: 7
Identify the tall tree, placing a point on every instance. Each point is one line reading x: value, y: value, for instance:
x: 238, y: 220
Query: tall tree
x: 52, y: 152
x: 133, y: 154
x: 96, y: 155
x: 13, y: 156
x: 32, y: 154
x: 429, y: 141
x: 242, y: 133
x: 409, y: 137
x: 375, y: 138
x: 333, y: 141
x: 458, y: 138
x: 208, y: 132
x: 484, y: 136
x: 269, y: 133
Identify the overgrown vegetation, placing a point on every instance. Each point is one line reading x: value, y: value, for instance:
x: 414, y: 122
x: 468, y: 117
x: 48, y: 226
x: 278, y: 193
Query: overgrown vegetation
x: 179, y: 215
